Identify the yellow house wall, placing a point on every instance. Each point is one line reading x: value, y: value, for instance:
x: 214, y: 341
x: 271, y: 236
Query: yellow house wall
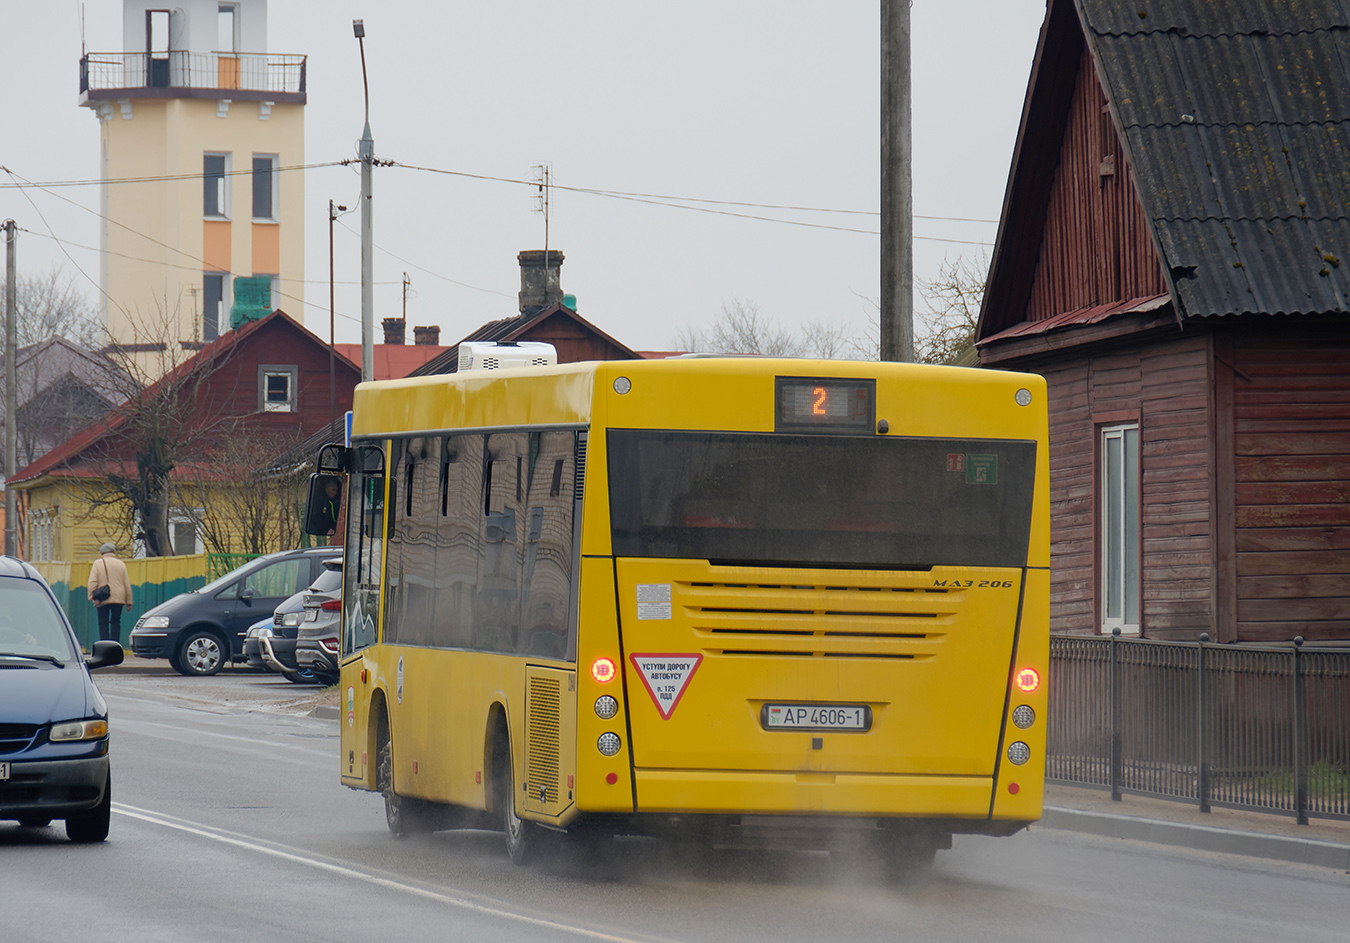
x: 154, y: 297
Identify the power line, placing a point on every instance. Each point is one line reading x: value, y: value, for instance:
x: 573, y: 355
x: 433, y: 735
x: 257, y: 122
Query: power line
x: 679, y: 203
x: 60, y: 242
x: 161, y: 178
x: 490, y: 291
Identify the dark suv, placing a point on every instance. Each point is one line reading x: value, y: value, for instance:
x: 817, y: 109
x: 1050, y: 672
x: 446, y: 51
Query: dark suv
x: 202, y: 631
x: 53, y: 721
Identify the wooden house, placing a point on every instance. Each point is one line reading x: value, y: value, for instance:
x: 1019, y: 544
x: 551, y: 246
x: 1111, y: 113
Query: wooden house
x: 1174, y: 257
x: 218, y: 416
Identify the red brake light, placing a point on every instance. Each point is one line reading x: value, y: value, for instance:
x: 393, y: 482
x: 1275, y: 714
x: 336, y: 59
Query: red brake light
x: 602, y: 670
x: 1027, y: 679
x: 331, y: 605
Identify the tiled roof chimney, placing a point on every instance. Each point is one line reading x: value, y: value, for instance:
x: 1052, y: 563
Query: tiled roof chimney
x: 395, y: 331
x: 427, y: 336
x: 539, y: 279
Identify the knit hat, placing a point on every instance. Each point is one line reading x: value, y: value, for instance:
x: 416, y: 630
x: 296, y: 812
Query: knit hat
x: 107, y: 548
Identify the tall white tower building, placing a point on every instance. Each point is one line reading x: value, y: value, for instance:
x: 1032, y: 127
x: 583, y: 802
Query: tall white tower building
x: 202, y: 219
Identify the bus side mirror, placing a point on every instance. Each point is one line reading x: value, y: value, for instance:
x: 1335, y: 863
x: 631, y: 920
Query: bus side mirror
x: 322, y: 504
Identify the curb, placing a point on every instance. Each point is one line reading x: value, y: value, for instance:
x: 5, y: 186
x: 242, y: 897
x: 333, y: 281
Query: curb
x: 1200, y: 837
x: 326, y: 712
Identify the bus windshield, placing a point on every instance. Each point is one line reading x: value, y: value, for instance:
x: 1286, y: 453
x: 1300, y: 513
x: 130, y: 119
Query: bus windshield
x: 874, y: 502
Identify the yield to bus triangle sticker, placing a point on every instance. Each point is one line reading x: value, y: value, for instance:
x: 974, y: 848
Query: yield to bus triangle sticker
x: 666, y: 677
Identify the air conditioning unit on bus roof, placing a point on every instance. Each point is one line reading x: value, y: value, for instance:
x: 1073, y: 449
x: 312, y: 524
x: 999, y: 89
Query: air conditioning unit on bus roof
x: 485, y: 355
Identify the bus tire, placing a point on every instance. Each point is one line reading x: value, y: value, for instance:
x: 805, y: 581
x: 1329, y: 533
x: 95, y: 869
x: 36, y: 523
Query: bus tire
x: 404, y: 815
x: 524, y: 839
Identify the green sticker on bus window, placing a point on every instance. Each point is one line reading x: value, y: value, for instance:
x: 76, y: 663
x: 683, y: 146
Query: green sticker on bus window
x: 981, y: 469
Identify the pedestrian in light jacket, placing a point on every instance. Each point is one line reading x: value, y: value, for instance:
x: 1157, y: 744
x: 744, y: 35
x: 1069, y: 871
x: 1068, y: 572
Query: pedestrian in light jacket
x: 110, y: 572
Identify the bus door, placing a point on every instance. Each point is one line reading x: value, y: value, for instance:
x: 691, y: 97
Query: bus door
x: 362, y: 568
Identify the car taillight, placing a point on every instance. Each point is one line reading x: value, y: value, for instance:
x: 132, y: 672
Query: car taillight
x: 331, y: 605
x: 329, y: 645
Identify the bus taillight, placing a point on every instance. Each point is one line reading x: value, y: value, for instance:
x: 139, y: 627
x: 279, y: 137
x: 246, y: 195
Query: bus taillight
x: 602, y: 670
x: 1028, y: 680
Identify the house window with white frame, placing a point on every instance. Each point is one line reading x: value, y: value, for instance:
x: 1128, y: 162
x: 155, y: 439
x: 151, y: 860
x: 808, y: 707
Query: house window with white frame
x: 42, y: 534
x: 1118, y: 528
x: 277, y: 388
x: 185, y: 532
x: 216, y: 186
x: 265, y: 179
x: 184, y: 535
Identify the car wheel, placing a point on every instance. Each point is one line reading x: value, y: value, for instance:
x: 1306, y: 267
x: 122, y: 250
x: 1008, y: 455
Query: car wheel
x: 202, y: 654
x: 92, y: 826
x: 326, y: 678
x: 302, y: 676
x: 35, y: 821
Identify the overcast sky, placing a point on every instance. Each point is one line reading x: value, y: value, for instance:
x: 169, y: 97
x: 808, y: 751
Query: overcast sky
x: 748, y: 101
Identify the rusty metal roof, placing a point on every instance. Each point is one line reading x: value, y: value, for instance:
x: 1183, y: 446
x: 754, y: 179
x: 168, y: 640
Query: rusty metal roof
x: 1236, y: 118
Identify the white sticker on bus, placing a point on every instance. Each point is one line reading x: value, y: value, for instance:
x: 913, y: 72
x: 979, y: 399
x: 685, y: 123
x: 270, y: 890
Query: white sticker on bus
x: 666, y: 677
x: 653, y: 600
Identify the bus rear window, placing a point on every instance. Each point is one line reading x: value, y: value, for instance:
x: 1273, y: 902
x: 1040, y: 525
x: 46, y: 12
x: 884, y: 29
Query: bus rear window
x: 871, y: 502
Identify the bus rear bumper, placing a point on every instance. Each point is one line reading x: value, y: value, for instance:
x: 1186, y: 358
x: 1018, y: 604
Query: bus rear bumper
x: 830, y: 794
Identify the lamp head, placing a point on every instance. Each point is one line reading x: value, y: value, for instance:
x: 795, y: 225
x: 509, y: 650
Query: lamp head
x: 359, y: 28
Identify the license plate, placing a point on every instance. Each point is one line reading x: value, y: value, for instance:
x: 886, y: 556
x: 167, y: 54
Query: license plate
x: 4, y: 771
x: 311, y: 615
x: 816, y: 717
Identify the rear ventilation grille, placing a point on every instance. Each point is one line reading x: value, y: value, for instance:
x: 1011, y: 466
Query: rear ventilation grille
x: 542, y: 735
x: 806, y: 620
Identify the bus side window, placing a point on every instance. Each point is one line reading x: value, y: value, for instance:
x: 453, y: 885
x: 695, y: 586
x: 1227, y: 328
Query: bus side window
x: 422, y: 505
x: 458, y: 540
x: 497, y: 613
x: 546, y: 586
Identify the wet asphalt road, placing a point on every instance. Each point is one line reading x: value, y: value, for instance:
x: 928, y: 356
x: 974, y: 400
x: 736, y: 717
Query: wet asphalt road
x: 229, y: 824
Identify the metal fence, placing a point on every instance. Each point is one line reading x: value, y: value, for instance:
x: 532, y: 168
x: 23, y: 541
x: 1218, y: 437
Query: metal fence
x: 218, y: 564
x: 255, y: 72
x: 1261, y: 727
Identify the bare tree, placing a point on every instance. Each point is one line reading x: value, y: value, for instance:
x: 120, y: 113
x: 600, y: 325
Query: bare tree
x: 946, y: 331
x: 49, y: 305
x: 249, y: 502
x: 171, y: 419
x: 741, y: 328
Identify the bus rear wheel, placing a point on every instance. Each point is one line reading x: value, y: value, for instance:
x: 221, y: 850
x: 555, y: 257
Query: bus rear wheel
x: 524, y: 839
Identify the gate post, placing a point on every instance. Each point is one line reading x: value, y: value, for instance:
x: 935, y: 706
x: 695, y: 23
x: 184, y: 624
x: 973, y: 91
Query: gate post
x: 1201, y: 767
x: 1300, y: 759
x: 1113, y: 697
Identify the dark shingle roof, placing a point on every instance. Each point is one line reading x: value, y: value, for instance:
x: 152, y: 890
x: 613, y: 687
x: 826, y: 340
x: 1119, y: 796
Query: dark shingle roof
x: 1236, y: 118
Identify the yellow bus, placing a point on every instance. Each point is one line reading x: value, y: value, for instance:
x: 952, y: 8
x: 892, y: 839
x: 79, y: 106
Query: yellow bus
x: 704, y: 598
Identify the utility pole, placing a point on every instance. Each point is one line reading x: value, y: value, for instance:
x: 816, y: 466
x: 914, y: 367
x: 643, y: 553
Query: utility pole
x: 11, y: 392
x: 897, y: 185
x: 332, y: 317
x: 367, y: 154
x: 406, y: 283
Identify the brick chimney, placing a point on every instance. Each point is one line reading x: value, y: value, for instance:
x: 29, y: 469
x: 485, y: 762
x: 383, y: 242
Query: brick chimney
x: 539, y: 279
x: 427, y: 336
x: 395, y: 331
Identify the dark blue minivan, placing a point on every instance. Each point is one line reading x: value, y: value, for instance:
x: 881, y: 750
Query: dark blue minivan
x: 53, y: 721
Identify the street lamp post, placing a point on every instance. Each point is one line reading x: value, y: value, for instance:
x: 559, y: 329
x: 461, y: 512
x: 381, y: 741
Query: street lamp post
x: 367, y: 154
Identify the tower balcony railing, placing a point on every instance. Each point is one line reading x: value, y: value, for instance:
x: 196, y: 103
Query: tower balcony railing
x: 105, y: 75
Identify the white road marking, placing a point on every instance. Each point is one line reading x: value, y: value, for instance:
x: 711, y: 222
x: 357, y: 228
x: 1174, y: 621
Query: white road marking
x: 250, y: 844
